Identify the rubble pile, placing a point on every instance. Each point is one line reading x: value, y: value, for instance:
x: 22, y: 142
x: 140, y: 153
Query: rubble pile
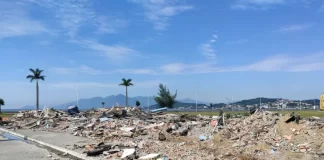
x: 271, y: 134
x: 130, y: 133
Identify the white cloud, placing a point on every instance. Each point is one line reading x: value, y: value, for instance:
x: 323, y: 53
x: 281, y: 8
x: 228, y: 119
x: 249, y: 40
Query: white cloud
x: 45, y: 43
x: 256, y: 4
x: 322, y: 7
x: 207, y: 48
x: 240, y: 41
x: 71, y: 14
x: 110, y: 25
x: 16, y: 22
x: 113, y: 52
x: 295, y: 27
x: 79, y: 70
x: 279, y: 63
x: 174, y: 68
x: 136, y: 71
x: 84, y: 69
x: 160, y: 12
x: 75, y: 14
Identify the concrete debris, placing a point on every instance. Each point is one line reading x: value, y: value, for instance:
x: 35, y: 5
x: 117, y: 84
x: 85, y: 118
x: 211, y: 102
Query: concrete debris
x: 130, y: 133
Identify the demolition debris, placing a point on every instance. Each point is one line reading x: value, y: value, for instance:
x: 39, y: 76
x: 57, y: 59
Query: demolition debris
x: 130, y: 133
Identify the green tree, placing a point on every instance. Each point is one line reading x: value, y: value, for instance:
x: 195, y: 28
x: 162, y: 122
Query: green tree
x: 103, y: 104
x: 165, y: 99
x: 127, y: 83
x: 2, y: 103
x: 36, y: 75
x: 138, y: 103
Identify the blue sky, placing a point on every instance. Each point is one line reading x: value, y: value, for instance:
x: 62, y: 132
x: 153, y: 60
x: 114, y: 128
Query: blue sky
x: 218, y: 49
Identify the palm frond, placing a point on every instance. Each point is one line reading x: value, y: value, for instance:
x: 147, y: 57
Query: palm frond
x: 42, y: 78
x: 32, y: 70
x: 129, y: 80
x: 130, y: 84
x: 30, y: 76
x: 2, y: 103
x: 36, y: 75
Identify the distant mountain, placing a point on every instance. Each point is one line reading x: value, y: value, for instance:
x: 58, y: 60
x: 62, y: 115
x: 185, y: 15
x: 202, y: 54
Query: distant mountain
x: 187, y: 100
x: 110, y: 101
x: 181, y: 104
x: 119, y: 99
x: 311, y: 101
x: 256, y: 101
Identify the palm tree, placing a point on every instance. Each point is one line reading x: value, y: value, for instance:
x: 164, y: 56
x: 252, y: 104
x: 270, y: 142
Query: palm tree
x: 103, y: 104
x: 2, y: 103
x: 126, y: 83
x: 36, y: 75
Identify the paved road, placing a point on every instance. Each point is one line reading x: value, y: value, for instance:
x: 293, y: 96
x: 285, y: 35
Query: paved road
x: 64, y: 140
x: 15, y: 149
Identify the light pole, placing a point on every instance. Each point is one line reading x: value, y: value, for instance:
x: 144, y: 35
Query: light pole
x: 77, y: 95
x: 196, y: 102
x: 148, y: 101
x: 228, y: 103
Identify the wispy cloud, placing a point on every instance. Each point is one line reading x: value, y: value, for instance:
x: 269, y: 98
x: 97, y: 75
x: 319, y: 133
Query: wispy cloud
x: 322, y: 7
x: 110, y: 25
x: 16, y: 22
x: 84, y: 69
x: 72, y: 15
x: 256, y: 4
x: 113, y: 52
x: 160, y: 12
x: 295, y: 27
x: 207, y: 48
x: 278, y: 63
x: 240, y: 41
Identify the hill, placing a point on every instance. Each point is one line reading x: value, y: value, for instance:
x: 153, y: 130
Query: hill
x: 182, y: 104
x: 256, y: 101
x: 110, y: 101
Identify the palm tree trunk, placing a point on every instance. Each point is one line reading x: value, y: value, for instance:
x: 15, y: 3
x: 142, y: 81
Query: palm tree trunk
x: 37, y: 96
x: 0, y: 109
x: 126, y: 97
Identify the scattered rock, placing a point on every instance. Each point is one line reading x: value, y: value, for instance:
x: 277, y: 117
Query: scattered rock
x: 162, y: 137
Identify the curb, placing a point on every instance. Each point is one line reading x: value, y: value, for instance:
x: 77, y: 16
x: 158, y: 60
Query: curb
x: 60, y: 149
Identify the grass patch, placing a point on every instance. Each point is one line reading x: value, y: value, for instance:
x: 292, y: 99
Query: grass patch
x: 6, y: 114
x: 303, y: 114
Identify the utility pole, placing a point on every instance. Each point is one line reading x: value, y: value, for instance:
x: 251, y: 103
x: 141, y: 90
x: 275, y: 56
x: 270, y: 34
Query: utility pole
x: 314, y: 104
x: 232, y: 102
x: 196, y: 102
x: 148, y: 102
x: 77, y: 95
x: 300, y: 105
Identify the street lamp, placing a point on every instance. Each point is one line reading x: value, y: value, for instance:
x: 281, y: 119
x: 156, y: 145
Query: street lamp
x: 77, y: 95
